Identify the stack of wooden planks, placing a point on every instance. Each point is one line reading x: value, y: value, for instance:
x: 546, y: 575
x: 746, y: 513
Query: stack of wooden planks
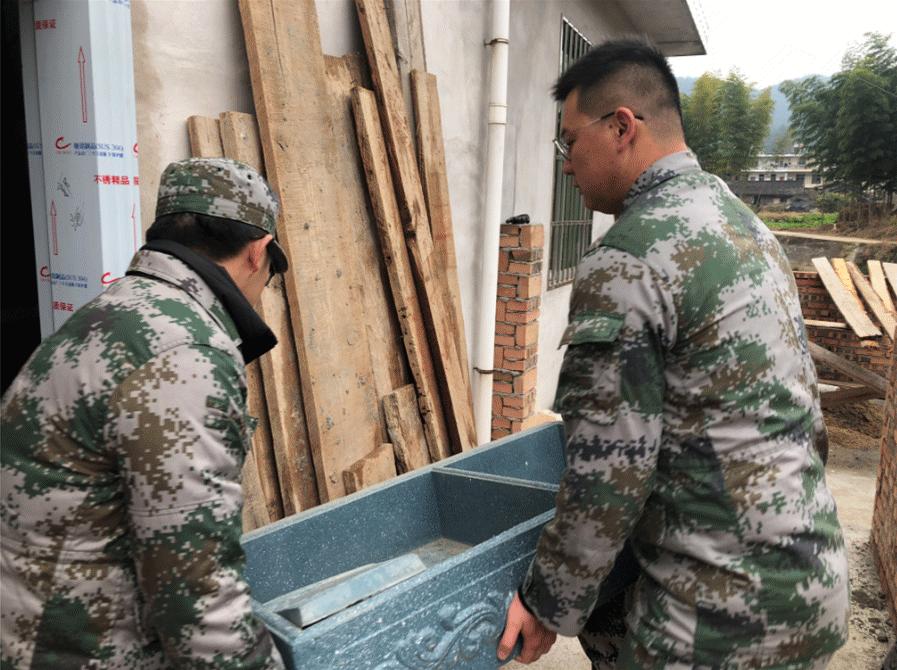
x: 846, y: 284
x: 852, y: 292
x: 370, y: 378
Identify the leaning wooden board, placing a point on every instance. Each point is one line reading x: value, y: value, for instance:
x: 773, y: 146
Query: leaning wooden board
x: 434, y: 178
x: 386, y: 213
x: 885, y: 318
x: 280, y: 371
x: 259, y: 472
x: 384, y: 333
x: 822, y: 355
x: 455, y: 392
x: 292, y: 103
x: 877, y: 279
x: 854, y: 315
x: 890, y: 270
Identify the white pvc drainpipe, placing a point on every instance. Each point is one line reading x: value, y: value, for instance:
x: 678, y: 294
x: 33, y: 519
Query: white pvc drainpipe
x: 484, y: 341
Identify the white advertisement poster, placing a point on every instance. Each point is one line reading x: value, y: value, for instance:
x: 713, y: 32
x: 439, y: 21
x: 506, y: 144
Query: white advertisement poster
x: 88, y: 132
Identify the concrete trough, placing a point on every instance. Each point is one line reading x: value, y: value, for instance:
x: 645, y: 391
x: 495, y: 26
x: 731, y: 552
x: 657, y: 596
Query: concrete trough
x: 415, y: 573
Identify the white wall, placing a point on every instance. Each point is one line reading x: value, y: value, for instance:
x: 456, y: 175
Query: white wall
x: 190, y: 59
x: 529, y: 158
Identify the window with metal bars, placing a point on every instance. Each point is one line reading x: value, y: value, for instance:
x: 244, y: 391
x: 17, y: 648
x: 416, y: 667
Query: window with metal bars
x: 571, y: 220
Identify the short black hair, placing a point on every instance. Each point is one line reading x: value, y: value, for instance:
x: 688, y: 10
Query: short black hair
x: 214, y: 237
x: 634, y: 63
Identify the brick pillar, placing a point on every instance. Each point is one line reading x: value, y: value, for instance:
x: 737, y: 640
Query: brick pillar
x: 884, y: 517
x: 516, y: 326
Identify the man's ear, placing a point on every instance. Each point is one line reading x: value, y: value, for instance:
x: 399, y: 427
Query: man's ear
x: 256, y: 252
x: 626, y: 126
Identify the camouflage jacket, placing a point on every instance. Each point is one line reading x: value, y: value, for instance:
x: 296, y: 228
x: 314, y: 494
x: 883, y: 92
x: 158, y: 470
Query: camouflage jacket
x: 123, y: 441
x: 691, y: 409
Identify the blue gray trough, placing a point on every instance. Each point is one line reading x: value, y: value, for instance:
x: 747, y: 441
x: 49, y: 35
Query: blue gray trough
x: 415, y: 573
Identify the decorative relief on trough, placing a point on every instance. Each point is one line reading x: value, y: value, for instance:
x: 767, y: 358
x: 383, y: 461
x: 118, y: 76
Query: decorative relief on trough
x: 460, y: 636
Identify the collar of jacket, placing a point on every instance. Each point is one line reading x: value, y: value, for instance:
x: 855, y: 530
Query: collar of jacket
x: 663, y: 169
x: 255, y: 336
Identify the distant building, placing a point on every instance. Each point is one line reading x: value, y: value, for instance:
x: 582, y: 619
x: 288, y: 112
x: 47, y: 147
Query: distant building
x: 778, y: 179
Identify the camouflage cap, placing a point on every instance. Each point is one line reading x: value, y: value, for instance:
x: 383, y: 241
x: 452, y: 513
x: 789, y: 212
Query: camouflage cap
x: 224, y: 188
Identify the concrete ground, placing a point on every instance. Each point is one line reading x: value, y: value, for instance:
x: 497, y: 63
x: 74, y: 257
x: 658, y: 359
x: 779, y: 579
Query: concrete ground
x: 851, y: 474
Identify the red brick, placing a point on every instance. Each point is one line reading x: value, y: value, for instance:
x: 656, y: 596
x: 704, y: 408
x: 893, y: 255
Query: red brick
x: 502, y: 387
x: 507, y: 291
x: 509, y: 241
x: 532, y: 236
x: 521, y: 317
x: 514, y: 353
x: 513, y: 401
x: 504, y: 261
x: 498, y: 433
x: 530, y: 287
x: 498, y: 361
x: 526, y: 255
x: 518, y: 366
x: 532, y: 268
x: 513, y: 413
x: 500, y: 310
x: 512, y: 280
x: 510, y: 229
x: 505, y: 340
x: 501, y: 376
x: 505, y: 329
x: 527, y: 335
x: 525, y: 382
x: 522, y: 305
x: 500, y: 422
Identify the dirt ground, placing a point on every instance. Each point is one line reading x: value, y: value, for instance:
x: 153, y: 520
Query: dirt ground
x: 851, y: 471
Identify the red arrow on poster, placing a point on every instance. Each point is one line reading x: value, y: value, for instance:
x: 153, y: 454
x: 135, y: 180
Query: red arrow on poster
x: 81, y: 61
x: 53, y: 227
x: 134, y: 223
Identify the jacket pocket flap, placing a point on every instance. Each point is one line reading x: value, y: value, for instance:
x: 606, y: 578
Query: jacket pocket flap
x: 596, y: 327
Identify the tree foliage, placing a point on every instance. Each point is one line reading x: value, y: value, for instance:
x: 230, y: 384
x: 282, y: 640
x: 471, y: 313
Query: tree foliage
x: 848, y: 124
x: 725, y: 124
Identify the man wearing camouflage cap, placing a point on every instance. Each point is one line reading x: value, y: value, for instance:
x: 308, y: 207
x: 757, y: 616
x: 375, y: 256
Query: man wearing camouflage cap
x: 694, y: 431
x: 123, y: 440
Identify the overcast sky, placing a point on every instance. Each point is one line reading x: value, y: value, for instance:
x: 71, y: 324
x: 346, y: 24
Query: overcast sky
x: 773, y: 40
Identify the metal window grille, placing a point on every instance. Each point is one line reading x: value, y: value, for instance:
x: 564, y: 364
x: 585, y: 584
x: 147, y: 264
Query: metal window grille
x: 571, y: 221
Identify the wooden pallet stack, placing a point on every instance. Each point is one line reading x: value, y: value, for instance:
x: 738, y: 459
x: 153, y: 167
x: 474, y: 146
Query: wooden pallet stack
x: 852, y: 293
x: 370, y: 378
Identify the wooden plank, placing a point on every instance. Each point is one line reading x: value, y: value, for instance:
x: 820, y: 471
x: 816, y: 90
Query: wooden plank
x: 255, y: 514
x: 376, y: 467
x: 293, y: 107
x: 398, y: 265
x: 205, y: 142
x: 885, y: 318
x: 406, y: 28
x: 890, y: 270
x: 846, y: 395
x: 205, y: 138
x: 455, y: 393
x: 839, y: 265
x: 825, y: 324
x: 434, y: 178
x: 855, y: 317
x: 880, y: 284
x: 280, y: 371
x: 852, y: 370
x: 405, y: 428
x: 384, y: 334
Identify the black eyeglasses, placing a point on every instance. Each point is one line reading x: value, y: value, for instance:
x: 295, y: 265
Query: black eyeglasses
x: 564, y: 147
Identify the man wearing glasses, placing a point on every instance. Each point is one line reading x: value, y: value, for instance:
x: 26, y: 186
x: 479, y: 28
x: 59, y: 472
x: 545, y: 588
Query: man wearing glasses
x: 123, y: 441
x: 693, y: 422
